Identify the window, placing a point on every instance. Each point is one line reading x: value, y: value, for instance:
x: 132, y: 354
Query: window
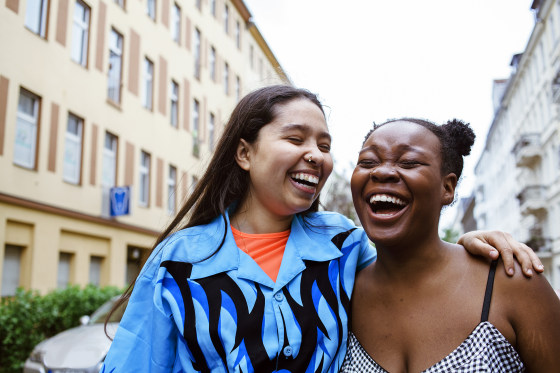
x: 237, y: 88
x: 195, y: 118
x: 213, y: 64
x: 194, y: 183
x: 226, y: 78
x: 119, y: 3
x: 198, y: 4
x: 36, y: 16
x: 95, y: 264
x: 73, y: 150
x: 11, y: 270
x: 213, y: 7
x: 174, y: 104
x: 148, y: 88
x: 64, y: 270
x: 133, y: 263
x: 115, y: 66
x: 238, y: 34
x: 226, y: 19
x: 26, y: 129
x: 151, y: 9
x: 197, y: 52
x: 176, y: 23
x: 171, y: 183
x: 211, y: 130
x: 144, y: 192
x: 109, y: 173
x: 80, y: 33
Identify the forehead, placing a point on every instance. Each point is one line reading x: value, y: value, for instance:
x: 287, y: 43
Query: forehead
x: 403, y: 134
x: 298, y: 114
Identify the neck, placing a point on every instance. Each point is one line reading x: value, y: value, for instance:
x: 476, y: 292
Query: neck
x: 249, y: 219
x: 413, y: 257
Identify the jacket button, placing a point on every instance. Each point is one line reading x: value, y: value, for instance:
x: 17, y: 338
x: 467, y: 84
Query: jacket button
x: 279, y: 297
x: 288, y: 351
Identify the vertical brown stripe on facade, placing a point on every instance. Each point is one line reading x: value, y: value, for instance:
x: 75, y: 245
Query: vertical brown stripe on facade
x: 159, y: 182
x: 165, y: 13
x: 187, y: 104
x: 188, y: 37
x: 62, y: 21
x: 4, y: 83
x: 13, y: 5
x: 53, y: 138
x: 220, y: 11
x: 134, y: 63
x: 162, y: 85
x: 93, y: 165
x: 129, y: 164
x: 102, y: 14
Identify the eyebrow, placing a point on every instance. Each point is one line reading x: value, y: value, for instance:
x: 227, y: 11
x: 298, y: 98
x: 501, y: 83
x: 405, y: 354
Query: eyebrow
x: 403, y: 147
x: 303, y: 128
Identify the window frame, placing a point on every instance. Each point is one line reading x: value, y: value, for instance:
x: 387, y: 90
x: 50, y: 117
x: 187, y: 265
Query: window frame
x: 116, y: 48
x: 174, y: 104
x: 171, y: 190
x: 148, y: 84
x: 80, y: 34
x: 73, y: 141
x: 144, y: 179
x: 33, y: 122
x: 41, y: 23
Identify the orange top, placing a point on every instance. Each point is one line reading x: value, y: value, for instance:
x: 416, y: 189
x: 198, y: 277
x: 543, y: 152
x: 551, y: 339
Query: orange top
x: 266, y: 249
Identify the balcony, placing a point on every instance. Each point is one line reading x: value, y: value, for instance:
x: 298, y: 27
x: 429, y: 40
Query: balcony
x: 527, y: 150
x: 539, y: 243
x: 532, y: 200
x: 555, y: 85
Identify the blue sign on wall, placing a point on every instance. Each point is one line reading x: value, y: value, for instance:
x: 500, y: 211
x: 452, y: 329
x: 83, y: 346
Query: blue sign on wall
x: 119, y: 200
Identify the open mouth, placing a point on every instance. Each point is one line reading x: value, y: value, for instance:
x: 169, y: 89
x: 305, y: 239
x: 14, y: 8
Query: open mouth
x: 385, y: 204
x: 307, y: 180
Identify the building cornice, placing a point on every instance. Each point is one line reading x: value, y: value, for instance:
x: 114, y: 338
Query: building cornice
x: 49, y: 209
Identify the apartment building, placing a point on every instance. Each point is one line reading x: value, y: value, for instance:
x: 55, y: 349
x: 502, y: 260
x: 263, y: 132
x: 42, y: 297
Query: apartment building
x: 518, y: 174
x: 109, y: 110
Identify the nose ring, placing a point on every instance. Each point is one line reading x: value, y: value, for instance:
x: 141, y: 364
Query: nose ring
x: 310, y: 159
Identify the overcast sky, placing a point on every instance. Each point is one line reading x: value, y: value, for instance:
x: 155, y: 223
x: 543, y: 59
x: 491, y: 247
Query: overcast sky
x: 371, y: 60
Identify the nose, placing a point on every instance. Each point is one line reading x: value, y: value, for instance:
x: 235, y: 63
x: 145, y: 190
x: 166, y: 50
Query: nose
x: 314, y: 156
x: 384, y: 173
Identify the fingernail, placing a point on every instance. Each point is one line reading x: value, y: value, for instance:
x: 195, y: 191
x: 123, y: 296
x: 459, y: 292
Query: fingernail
x: 510, y: 271
x: 529, y: 271
x: 540, y: 266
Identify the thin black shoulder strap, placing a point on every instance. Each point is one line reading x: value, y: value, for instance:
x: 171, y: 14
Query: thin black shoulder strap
x: 488, y: 293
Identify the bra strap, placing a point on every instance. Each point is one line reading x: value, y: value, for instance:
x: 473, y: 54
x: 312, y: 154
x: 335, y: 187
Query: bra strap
x: 488, y: 293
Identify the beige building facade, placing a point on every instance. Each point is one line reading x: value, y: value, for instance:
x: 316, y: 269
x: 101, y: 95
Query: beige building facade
x: 100, y: 94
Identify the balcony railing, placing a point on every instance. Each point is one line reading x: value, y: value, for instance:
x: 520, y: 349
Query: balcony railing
x: 532, y: 200
x: 527, y: 150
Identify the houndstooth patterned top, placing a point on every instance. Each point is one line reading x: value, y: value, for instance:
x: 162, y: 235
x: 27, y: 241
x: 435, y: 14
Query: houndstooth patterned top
x: 484, y: 350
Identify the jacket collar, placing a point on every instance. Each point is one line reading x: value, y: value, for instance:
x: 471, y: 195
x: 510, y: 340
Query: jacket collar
x: 306, y: 242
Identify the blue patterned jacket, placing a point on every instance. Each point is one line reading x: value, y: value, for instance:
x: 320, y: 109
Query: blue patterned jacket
x: 191, y: 311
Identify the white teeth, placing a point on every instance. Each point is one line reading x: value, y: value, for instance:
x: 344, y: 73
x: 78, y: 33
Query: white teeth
x: 306, y: 177
x: 386, y: 198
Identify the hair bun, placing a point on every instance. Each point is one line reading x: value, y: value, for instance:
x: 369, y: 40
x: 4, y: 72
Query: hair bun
x: 461, y: 135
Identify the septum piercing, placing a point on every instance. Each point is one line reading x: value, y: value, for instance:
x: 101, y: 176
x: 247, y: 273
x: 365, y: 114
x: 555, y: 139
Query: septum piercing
x: 310, y: 159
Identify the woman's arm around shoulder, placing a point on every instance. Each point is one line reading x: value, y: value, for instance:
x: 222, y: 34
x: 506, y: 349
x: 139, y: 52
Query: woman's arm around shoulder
x: 534, y: 312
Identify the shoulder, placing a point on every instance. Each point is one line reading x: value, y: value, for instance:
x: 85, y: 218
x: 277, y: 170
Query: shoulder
x: 330, y: 219
x: 189, y: 245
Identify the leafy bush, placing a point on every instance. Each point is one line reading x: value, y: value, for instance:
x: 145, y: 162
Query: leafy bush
x: 27, y: 318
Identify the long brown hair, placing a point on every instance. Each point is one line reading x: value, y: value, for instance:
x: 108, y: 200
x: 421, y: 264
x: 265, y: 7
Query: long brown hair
x: 224, y: 182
